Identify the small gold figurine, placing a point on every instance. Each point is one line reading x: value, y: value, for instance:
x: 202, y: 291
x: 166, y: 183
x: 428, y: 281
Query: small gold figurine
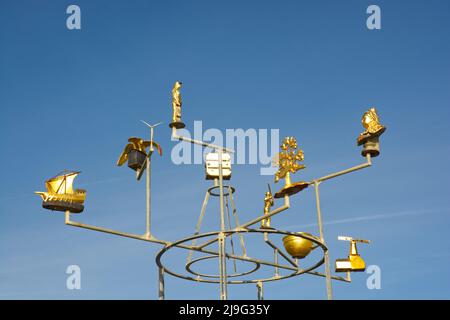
x: 135, y: 152
x: 373, y: 130
x: 287, y: 161
x: 268, y: 203
x: 176, y: 105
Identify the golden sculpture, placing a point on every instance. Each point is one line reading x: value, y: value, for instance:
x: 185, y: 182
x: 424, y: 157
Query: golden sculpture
x: 135, y: 152
x: 298, y: 247
x: 372, y: 126
x: 354, y: 262
x: 287, y: 161
x: 176, y: 106
x: 268, y: 203
x: 61, y: 196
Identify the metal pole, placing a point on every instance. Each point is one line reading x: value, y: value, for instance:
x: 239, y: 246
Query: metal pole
x: 231, y: 236
x: 326, y: 256
x: 260, y: 289
x: 147, y: 229
x: 167, y: 243
x: 275, y: 260
x: 199, y: 223
x: 222, y: 247
x: 270, y: 214
x: 236, y: 219
x: 368, y: 163
x: 161, y: 284
x: 201, y: 143
x: 222, y: 267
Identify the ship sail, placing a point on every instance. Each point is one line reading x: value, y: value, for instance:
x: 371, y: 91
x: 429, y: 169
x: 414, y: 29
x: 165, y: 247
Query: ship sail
x: 61, y: 184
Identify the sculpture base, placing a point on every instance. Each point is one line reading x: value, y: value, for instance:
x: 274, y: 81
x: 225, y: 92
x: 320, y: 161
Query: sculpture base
x: 135, y: 159
x: 354, y: 263
x: 291, y: 189
x: 372, y: 147
x: 177, y: 125
x: 73, y: 207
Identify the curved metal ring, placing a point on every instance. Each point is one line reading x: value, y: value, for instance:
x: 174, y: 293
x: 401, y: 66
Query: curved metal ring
x: 225, y: 188
x: 229, y: 232
x: 234, y: 275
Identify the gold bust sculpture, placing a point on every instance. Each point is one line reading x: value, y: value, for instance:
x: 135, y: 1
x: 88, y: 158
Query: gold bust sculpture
x: 372, y: 126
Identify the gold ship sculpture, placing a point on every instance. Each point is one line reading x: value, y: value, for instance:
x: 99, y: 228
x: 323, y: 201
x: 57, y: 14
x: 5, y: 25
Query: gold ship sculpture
x: 61, y: 196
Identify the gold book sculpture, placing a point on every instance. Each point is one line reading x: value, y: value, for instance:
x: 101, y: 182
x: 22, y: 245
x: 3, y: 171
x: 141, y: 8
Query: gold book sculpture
x: 354, y: 262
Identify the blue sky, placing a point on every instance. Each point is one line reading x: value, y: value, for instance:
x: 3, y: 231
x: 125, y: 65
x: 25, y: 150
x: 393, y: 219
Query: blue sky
x: 71, y: 98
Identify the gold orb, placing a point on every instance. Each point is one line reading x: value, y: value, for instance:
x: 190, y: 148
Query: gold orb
x: 298, y: 247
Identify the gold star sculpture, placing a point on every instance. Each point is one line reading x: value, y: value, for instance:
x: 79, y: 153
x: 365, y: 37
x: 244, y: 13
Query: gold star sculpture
x: 287, y: 161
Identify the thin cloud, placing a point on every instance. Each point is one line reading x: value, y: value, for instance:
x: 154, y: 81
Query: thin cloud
x: 367, y: 218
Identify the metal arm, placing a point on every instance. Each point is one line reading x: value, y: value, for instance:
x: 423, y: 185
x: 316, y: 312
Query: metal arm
x: 198, y: 142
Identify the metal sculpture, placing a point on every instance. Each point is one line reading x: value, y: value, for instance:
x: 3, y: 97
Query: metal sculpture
x: 297, y: 250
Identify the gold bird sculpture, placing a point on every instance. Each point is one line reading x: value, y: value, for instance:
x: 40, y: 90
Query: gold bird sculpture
x: 139, y: 145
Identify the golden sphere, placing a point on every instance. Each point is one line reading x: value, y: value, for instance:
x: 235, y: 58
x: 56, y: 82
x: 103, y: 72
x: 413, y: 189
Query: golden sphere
x: 298, y: 247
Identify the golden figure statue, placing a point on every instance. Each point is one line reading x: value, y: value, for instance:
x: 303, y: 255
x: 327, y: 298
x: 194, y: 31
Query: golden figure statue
x: 268, y: 203
x: 372, y: 126
x: 61, y: 196
x: 287, y: 161
x: 176, y: 106
x: 135, y: 152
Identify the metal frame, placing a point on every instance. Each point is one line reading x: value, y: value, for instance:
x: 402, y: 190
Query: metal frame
x: 221, y: 235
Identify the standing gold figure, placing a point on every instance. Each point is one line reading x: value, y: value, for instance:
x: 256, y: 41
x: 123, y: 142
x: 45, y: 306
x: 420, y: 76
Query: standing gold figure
x: 287, y: 161
x: 176, y: 106
x: 268, y: 203
x: 372, y: 126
